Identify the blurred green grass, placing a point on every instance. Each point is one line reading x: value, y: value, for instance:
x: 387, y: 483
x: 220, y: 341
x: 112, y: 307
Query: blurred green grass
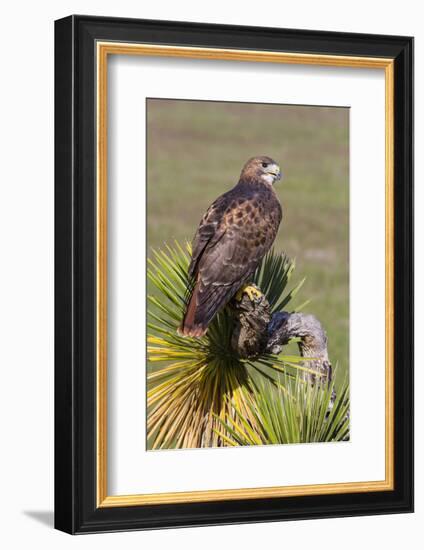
x: 195, y: 152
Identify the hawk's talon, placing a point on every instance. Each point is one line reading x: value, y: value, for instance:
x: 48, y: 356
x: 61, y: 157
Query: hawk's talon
x: 252, y: 291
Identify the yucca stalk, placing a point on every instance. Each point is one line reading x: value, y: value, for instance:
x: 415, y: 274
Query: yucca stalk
x: 196, y: 387
x: 293, y: 411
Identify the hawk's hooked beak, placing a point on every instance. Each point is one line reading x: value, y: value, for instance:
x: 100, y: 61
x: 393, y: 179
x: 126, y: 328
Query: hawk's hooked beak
x: 276, y: 172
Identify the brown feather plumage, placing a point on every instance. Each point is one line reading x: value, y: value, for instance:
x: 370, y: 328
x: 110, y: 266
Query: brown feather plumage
x: 235, y: 233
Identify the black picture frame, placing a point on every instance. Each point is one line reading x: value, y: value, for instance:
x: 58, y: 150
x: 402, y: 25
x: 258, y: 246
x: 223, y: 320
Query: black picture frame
x: 76, y: 509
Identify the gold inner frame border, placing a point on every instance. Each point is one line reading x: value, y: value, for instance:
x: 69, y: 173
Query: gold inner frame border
x: 103, y: 50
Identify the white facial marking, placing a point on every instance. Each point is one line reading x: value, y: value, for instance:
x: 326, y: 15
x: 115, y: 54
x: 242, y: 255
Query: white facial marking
x: 269, y: 178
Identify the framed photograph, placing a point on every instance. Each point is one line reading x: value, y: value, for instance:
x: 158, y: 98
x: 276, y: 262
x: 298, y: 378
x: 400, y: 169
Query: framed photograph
x: 234, y: 274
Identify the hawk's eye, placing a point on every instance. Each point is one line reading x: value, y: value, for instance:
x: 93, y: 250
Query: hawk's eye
x: 264, y: 164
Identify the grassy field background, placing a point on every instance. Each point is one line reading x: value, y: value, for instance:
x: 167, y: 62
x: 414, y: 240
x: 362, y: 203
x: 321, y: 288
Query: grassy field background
x: 196, y: 151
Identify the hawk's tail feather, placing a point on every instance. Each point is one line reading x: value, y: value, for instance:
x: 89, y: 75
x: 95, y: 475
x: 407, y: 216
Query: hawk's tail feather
x: 200, y: 313
x: 202, y: 309
x: 188, y: 326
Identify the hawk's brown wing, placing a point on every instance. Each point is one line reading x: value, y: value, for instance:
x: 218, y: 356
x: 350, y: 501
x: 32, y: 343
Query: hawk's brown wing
x: 210, y: 230
x: 233, y: 236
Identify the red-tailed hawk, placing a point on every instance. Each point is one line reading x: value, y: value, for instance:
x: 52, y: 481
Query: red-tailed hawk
x: 235, y: 233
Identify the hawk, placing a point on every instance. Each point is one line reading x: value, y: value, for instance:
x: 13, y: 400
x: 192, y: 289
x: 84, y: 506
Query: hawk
x: 235, y: 233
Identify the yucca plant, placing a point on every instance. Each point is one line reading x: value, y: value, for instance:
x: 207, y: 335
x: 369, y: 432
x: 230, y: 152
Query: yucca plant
x: 291, y: 411
x: 199, y: 390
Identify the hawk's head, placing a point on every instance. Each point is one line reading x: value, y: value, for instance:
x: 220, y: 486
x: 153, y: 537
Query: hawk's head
x: 263, y: 168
